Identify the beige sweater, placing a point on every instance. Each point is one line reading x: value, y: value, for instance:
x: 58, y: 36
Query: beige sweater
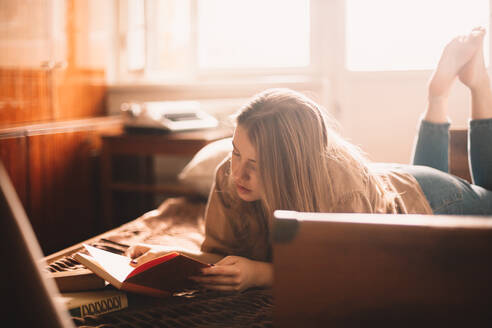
x: 235, y: 227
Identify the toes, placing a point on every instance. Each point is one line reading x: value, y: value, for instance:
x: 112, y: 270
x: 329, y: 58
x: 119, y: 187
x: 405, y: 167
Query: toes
x: 477, y: 32
x: 479, y: 28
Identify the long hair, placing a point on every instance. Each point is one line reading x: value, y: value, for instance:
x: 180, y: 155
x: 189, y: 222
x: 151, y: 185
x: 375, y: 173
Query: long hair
x: 294, y: 139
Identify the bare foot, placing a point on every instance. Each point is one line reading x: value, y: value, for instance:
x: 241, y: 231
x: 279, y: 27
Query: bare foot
x: 455, y: 55
x: 474, y: 74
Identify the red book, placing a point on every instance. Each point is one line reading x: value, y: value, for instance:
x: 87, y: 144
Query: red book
x: 159, y: 277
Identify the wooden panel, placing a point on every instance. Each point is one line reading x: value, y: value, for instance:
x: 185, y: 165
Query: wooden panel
x: 24, y: 96
x: 27, y: 29
x: 54, y: 166
x: 64, y: 182
x: 458, y: 153
x: 77, y: 91
x: 367, y: 270
x: 78, y: 94
x: 13, y: 153
x: 61, y: 90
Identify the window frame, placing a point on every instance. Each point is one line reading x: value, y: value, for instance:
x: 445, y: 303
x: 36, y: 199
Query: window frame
x: 121, y: 74
x: 327, y: 75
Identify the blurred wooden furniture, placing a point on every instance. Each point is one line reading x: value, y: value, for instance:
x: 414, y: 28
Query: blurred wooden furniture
x: 381, y: 270
x: 52, y: 95
x: 458, y: 153
x: 140, y: 178
x: 55, y: 170
x: 45, y: 72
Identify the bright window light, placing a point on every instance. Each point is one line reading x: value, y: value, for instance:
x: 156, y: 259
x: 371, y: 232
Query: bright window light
x: 385, y: 35
x: 253, y: 34
x: 168, y: 37
x: 136, y: 35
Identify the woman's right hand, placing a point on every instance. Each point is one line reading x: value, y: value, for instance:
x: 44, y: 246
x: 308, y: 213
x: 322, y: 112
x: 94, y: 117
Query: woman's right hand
x: 141, y: 253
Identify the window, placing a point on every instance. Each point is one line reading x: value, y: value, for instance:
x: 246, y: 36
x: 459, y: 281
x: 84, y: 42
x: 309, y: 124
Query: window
x: 186, y: 40
x: 182, y: 39
x: 136, y: 36
x: 386, y: 35
x: 253, y: 34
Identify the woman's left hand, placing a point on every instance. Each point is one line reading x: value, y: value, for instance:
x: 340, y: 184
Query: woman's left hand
x: 235, y: 273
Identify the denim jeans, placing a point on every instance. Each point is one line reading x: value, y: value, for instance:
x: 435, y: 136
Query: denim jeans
x: 446, y: 193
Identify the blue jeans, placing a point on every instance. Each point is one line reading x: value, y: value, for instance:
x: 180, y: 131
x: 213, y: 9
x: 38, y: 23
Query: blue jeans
x: 446, y: 193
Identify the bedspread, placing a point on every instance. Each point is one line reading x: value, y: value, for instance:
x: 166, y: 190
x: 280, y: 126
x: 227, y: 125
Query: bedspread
x: 252, y: 308
x: 178, y: 222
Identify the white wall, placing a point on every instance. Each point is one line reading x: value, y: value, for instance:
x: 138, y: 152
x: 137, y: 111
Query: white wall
x: 380, y: 111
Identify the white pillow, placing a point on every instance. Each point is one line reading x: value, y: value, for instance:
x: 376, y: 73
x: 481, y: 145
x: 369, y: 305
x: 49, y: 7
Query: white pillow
x: 199, y: 172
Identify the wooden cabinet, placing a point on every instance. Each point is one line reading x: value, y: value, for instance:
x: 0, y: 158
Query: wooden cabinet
x: 62, y: 184
x: 52, y: 92
x: 24, y: 96
x: 55, y: 169
x: 33, y: 33
x: 50, y: 70
x: 33, y: 45
x: 13, y: 153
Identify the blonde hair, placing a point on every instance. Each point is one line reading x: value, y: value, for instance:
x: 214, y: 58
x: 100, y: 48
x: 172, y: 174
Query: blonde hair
x: 294, y: 139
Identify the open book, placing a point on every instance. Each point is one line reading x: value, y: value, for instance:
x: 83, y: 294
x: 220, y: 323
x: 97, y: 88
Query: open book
x: 159, y: 277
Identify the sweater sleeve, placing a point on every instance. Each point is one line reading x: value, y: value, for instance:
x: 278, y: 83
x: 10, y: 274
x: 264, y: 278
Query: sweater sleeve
x: 353, y: 202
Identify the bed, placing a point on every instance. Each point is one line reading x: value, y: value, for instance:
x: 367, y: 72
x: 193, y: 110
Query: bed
x: 178, y: 221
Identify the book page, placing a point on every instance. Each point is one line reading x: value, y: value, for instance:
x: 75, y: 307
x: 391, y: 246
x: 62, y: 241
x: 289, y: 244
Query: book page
x: 198, y: 255
x: 116, y: 265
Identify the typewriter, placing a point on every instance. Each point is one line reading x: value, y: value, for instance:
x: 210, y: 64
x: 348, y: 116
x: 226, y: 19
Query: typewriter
x: 166, y: 116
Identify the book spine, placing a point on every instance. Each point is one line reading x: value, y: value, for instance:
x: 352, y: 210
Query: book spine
x: 104, y: 305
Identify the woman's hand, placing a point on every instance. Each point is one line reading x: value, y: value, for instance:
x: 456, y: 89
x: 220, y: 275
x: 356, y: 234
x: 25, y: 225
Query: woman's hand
x: 141, y: 253
x: 235, y: 273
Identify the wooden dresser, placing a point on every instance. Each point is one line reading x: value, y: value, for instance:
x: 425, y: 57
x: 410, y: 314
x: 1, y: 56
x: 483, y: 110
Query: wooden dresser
x: 52, y: 108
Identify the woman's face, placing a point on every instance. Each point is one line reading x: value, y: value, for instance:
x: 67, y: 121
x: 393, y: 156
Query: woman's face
x: 244, y: 167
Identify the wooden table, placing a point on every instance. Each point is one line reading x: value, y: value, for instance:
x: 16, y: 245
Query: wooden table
x: 148, y: 145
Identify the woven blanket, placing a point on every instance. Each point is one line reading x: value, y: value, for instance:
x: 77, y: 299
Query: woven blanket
x: 252, y: 308
x: 178, y: 222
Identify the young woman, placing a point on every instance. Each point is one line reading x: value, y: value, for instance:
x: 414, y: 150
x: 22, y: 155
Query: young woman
x: 287, y: 155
